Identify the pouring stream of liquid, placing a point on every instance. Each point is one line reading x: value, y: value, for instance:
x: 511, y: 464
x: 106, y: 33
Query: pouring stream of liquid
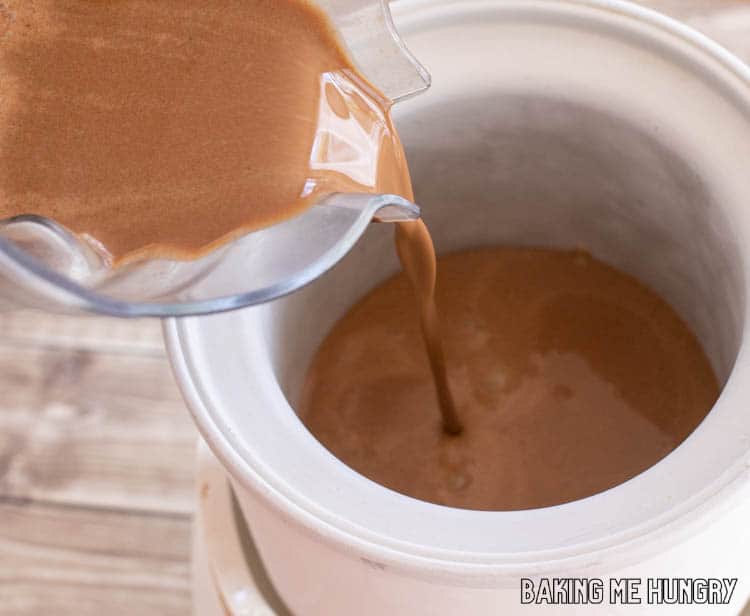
x: 417, y: 255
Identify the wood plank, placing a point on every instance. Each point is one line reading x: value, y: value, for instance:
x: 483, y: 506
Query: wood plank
x: 35, y: 328
x: 68, y: 561
x: 94, y: 429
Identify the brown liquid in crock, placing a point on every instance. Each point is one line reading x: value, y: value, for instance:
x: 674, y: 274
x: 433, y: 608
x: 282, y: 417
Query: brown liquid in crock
x: 569, y: 377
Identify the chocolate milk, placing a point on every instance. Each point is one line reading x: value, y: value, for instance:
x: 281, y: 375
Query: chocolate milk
x: 569, y: 376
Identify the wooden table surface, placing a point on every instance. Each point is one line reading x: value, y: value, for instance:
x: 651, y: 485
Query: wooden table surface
x: 96, y: 448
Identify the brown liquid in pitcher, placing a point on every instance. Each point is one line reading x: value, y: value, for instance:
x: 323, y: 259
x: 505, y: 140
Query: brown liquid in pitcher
x: 569, y: 376
x: 165, y: 127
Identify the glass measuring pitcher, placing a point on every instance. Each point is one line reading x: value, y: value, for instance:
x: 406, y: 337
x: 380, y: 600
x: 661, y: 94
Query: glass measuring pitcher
x: 44, y: 265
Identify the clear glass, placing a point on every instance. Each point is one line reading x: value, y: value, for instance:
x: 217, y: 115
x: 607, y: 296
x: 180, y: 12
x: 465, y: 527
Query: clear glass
x: 42, y: 265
